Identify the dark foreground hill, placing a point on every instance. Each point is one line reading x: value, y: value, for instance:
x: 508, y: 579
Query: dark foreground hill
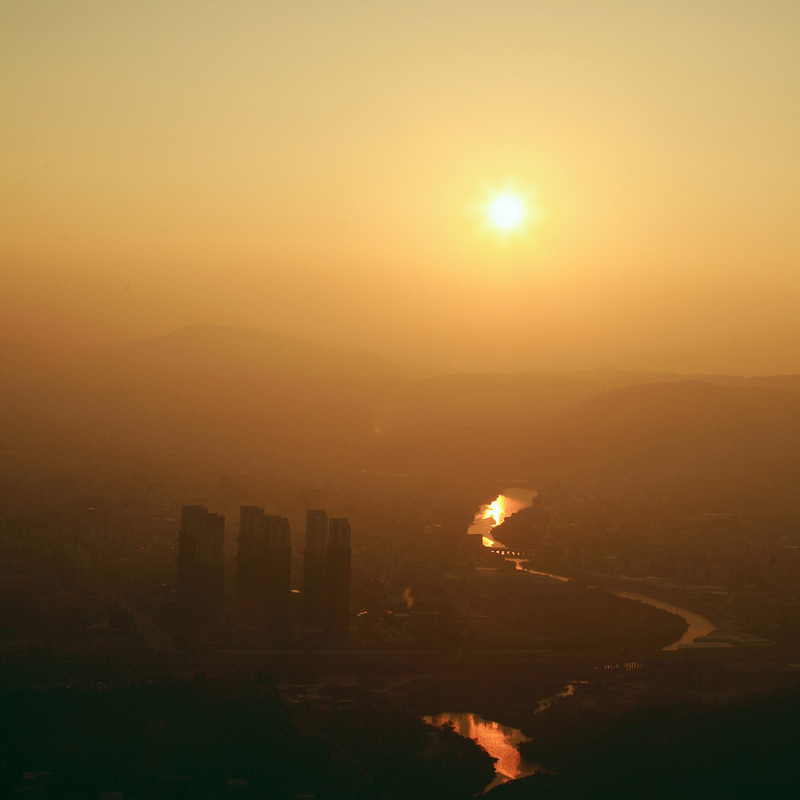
x: 214, y: 738
x: 741, y: 748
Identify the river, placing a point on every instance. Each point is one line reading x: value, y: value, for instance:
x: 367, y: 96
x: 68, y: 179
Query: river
x: 490, y: 515
x: 499, y: 741
x: 698, y: 626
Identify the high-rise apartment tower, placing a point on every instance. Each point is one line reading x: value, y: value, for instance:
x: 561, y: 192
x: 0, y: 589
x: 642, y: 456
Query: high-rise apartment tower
x: 315, y: 567
x: 263, y: 571
x: 337, y: 613
x: 201, y: 563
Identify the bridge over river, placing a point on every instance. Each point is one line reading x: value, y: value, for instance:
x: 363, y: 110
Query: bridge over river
x: 505, y: 552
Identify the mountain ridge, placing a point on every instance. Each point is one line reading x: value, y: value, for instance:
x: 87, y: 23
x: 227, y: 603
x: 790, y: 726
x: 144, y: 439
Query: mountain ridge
x: 179, y: 396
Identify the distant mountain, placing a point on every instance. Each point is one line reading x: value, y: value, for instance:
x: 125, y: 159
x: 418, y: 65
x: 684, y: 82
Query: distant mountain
x: 678, y: 430
x: 206, y: 388
x: 688, y: 425
x: 214, y: 392
x: 224, y: 350
x: 20, y: 359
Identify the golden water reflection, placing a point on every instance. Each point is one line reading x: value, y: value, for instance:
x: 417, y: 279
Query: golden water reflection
x: 492, y: 514
x: 498, y: 740
x: 697, y: 625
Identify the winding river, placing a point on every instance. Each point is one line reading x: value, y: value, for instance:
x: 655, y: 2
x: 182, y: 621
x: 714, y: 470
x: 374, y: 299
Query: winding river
x: 698, y: 626
x: 490, y: 515
x: 501, y: 741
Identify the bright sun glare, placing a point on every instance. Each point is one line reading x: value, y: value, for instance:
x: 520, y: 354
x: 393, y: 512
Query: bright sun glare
x: 506, y: 211
x: 496, y: 511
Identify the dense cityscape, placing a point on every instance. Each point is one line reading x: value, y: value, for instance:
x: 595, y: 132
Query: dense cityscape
x: 408, y: 614
x: 399, y: 401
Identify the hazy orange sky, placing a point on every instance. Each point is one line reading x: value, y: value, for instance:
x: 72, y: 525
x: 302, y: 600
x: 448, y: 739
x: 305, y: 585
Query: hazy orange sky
x: 315, y: 169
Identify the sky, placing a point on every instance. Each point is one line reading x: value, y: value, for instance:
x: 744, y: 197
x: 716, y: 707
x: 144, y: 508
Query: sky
x: 322, y: 169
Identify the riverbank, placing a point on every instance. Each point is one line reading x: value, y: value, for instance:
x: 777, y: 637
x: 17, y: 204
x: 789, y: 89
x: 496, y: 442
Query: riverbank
x: 700, y: 620
x: 499, y: 741
x: 655, y: 590
x: 696, y: 625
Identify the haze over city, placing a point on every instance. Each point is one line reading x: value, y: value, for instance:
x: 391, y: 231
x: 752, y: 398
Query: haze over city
x: 322, y: 170
x: 399, y: 400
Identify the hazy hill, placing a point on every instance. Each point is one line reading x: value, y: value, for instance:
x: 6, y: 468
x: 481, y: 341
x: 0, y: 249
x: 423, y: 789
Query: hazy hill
x: 677, y: 430
x: 204, y: 389
x: 20, y: 360
x: 215, y: 351
x: 687, y: 426
x: 248, y: 395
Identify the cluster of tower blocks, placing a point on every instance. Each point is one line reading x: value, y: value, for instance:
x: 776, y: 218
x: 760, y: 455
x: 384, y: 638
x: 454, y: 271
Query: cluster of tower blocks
x: 263, y: 593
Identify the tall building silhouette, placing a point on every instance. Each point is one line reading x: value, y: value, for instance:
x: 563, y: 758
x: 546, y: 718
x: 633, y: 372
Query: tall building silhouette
x: 263, y: 571
x: 201, y: 563
x: 337, y: 590
x: 250, y: 523
x: 315, y: 567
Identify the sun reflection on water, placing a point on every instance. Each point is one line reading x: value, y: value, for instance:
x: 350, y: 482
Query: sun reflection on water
x: 492, y: 514
x: 499, y: 741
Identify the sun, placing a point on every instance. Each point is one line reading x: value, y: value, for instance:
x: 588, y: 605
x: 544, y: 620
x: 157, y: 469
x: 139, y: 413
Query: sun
x: 507, y: 211
x: 507, y: 214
